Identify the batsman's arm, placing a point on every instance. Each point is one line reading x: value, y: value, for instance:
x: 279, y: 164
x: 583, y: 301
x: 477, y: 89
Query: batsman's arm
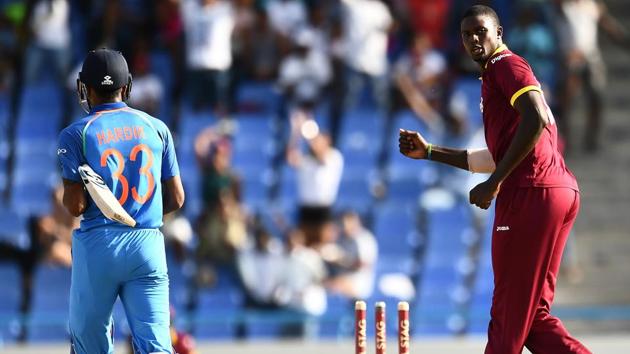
x: 173, y: 195
x: 74, y: 198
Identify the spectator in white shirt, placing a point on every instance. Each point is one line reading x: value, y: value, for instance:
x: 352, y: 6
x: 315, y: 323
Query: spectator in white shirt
x: 302, y: 288
x: 260, y: 267
x: 282, y: 279
x: 318, y: 176
x: 304, y: 73
x: 367, y: 26
x: 209, y: 25
x: 50, y: 45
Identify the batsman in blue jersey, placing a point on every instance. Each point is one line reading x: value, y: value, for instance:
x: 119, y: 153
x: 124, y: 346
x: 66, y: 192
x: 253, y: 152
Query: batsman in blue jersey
x: 134, y: 154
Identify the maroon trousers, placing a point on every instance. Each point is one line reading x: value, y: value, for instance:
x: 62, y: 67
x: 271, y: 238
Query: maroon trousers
x: 530, y: 230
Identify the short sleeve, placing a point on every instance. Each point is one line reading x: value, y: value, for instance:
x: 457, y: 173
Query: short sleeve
x: 69, y: 153
x: 514, y: 77
x: 170, y: 167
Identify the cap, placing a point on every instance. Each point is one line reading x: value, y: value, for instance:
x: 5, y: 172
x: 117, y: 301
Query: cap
x: 105, y: 69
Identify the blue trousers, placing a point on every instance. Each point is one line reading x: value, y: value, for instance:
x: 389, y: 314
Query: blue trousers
x: 106, y: 264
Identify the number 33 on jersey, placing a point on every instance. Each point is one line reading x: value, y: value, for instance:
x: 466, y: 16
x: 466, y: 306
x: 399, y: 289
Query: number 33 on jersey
x: 132, y: 151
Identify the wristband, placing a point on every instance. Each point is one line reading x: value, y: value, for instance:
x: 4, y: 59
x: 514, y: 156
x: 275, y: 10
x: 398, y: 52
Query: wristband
x: 429, y: 148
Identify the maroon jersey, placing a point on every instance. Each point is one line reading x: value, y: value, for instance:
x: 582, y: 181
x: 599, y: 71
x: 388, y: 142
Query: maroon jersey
x: 505, y: 77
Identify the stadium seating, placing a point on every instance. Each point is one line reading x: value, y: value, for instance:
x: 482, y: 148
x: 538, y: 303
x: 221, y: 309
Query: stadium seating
x: 45, y: 321
x: 257, y: 97
x: 360, y: 142
x: 162, y: 67
x: 440, y: 279
x: 421, y: 243
x: 38, y: 123
x: 469, y: 90
x: 191, y: 124
x: 4, y: 141
x: 395, y: 228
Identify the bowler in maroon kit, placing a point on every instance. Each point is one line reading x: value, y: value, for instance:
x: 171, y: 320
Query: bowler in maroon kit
x: 537, y: 196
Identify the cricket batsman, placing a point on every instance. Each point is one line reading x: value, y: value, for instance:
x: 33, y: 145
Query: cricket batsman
x: 134, y: 155
x: 537, y: 195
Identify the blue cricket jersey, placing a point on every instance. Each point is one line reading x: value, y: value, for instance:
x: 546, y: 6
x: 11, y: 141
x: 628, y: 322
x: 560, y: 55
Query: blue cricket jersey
x: 131, y: 150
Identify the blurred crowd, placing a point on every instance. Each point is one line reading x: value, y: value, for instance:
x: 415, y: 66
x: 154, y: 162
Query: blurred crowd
x: 321, y: 57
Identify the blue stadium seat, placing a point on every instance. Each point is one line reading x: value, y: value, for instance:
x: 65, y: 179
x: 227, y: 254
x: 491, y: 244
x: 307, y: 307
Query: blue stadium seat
x: 481, y: 299
x: 250, y: 164
x: 35, y: 164
x: 360, y: 141
x: 395, y: 229
x: 35, y: 174
x: 400, y: 167
x: 436, y: 305
x: 4, y: 156
x: 4, y: 177
x: 4, y: 115
x: 14, y: 227
x: 255, y: 191
x: 337, y: 322
x: 469, y: 89
x: 438, y: 310
x: 10, y: 295
x: 31, y: 199
x: 257, y: 97
x: 177, y: 280
x: 367, y: 121
x: 190, y: 125
x: 40, y: 111
x: 288, y: 186
x: 354, y: 193
x: 322, y: 116
x: 52, y: 289
x: 51, y: 294
x: 253, y: 125
x: 161, y: 66
x: 37, y: 127
x: 406, y: 119
x: 4, y: 140
x: 27, y: 147
x: 404, y: 188
x: 191, y: 180
x: 227, y: 298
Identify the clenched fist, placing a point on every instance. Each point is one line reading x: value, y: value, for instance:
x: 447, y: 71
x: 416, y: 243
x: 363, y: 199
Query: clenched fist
x: 412, y: 144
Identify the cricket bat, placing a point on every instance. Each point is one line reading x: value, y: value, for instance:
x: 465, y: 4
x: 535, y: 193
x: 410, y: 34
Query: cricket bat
x: 103, y: 197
